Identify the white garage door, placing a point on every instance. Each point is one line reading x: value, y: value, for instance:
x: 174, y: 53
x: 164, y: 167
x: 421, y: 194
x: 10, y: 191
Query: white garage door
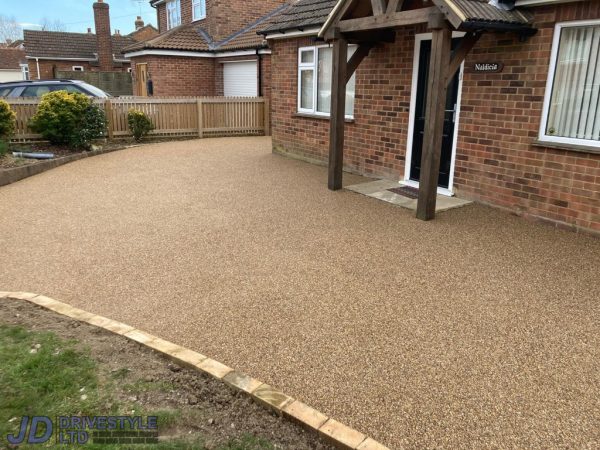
x: 240, y: 79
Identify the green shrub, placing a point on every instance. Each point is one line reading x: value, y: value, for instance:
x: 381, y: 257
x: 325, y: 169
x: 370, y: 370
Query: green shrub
x: 139, y: 124
x: 7, y: 120
x: 3, y: 148
x: 92, y: 126
x: 66, y: 118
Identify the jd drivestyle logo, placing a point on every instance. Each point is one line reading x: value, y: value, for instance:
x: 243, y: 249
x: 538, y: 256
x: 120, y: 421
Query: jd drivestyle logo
x: 80, y: 429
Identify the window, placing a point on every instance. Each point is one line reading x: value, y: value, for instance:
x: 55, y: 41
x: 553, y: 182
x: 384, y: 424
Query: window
x: 314, y: 81
x: 35, y: 91
x: 173, y: 14
x: 69, y: 88
x: 572, y: 105
x: 77, y: 68
x: 25, y: 71
x: 199, y: 9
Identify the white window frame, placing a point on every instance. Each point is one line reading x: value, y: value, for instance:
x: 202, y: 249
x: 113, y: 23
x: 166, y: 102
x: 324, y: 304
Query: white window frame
x: 25, y: 71
x: 202, y: 4
x: 543, y: 137
x: 173, y: 6
x: 78, y: 69
x: 314, y: 67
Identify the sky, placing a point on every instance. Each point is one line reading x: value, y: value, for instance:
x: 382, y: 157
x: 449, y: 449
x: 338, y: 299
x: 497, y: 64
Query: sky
x: 77, y: 15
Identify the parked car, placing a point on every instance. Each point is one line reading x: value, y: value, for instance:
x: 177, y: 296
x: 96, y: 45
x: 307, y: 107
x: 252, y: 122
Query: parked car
x: 37, y: 88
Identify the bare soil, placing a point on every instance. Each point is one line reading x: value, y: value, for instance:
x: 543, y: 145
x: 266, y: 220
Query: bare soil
x: 204, y: 407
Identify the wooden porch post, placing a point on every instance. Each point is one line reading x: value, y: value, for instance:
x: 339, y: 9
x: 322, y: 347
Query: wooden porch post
x: 338, y: 112
x: 441, y: 45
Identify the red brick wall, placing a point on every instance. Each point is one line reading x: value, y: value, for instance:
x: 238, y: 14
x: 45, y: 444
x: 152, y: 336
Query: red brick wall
x: 223, y: 17
x: 103, y: 35
x: 167, y: 73
x: 161, y: 17
x: 496, y: 161
x: 48, y: 67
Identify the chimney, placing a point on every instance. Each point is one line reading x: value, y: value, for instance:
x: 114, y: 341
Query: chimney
x: 103, y: 37
x: 89, y: 31
x: 139, y: 23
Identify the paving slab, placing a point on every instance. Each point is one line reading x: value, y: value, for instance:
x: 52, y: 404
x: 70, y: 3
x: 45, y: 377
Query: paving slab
x: 380, y: 189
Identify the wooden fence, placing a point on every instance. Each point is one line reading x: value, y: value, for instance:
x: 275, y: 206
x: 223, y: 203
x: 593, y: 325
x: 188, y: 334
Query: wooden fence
x: 172, y: 117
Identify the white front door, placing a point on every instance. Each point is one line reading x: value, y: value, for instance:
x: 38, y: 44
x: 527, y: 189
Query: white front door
x: 240, y: 79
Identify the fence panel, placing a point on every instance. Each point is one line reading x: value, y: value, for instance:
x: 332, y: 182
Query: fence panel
x: 174, y: 117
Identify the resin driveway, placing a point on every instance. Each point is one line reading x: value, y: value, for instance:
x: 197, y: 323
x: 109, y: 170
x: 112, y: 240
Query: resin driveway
x: 475, y: 330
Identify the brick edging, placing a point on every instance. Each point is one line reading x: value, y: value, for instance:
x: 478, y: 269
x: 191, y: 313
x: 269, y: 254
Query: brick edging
x: 14, y: 174
x: 336, y: 433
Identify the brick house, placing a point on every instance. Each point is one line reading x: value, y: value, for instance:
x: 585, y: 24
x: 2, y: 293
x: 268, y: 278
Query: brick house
x: 13, y: 65
x: 50, y: 51
x: 205, y: 48
x: 522, y: 122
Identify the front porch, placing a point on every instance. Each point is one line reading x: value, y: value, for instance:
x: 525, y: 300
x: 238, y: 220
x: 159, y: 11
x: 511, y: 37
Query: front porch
x: 404, y: 196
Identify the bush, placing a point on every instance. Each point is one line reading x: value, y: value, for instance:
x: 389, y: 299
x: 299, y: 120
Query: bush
x: 7, y: 120
x: 139, y: 124
x: 66, y: 118
x: 3, y: 148
x: 92, y: 126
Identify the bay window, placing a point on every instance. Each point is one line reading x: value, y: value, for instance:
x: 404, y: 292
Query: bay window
x: 173, y: 14
x: 572, y: 105
x: 314, y: 81
x: 198, y: 9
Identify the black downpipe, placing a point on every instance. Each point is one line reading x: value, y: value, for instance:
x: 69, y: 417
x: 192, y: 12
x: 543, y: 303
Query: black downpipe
x: 260, y: 83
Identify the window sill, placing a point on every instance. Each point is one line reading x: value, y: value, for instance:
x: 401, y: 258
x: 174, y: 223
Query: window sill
x: 569, y: 147
x: 320, y: 117
x: 198, y: 19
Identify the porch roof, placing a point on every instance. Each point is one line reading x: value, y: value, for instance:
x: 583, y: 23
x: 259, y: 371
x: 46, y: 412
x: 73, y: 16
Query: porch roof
x: 473, y: 14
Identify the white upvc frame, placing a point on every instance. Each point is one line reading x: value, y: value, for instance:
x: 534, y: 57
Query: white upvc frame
x: 78, y: 69
x: 411, y: 118
x: 543, y: 137
x: 202, y: 4
x: 173, y: 6
x: 25, y: 71
x: 315, y: 69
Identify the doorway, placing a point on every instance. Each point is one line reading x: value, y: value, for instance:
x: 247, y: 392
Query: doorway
x: 141, y: 79
x: 417, y: 118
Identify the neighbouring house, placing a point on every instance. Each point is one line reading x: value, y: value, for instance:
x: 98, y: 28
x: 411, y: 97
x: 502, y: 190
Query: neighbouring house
x: 13, y: 65
x: 54, y: 54
x: 205, y: 48
x: 521, y: 127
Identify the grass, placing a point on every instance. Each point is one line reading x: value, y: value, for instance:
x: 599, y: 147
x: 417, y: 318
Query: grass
x: 40, y: 374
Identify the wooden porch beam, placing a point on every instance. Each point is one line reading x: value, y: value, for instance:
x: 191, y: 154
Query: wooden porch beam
x: 378, y: 6
x: 396, y: 19
x: 361, y: 53
x: 394, y: 6
x: 338, y: 113
x: 437, y: 88
x: 466, y: 45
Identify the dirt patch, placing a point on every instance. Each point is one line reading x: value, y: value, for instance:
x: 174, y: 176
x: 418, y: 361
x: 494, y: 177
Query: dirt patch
x: 9, y: 161
x: 147, y: 381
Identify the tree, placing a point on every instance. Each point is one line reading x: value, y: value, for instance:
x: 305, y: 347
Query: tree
x: 52, y: 25
x: 9, y: 29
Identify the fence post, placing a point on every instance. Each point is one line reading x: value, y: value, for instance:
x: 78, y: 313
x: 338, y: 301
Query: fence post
x: 267, y: 118
x: 200, y: 118
x: 109, y: 118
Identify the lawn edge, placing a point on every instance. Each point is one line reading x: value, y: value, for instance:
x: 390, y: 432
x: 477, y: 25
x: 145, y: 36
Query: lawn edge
x: 332, y: 431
